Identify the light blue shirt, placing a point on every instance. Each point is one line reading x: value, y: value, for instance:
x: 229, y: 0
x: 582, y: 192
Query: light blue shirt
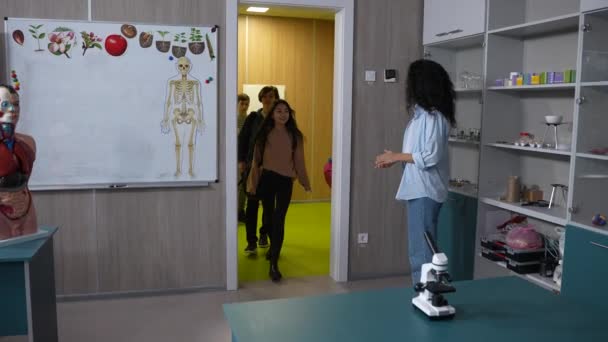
x: 426, y: 138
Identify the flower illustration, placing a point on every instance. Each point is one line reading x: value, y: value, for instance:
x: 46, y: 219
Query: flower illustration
x: 61, y: 41
x: 90, y: 40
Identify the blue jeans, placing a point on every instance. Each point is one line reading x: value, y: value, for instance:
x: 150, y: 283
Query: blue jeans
x: 422, y: 215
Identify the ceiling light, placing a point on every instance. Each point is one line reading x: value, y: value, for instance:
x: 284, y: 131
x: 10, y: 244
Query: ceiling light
x: 257, y: 9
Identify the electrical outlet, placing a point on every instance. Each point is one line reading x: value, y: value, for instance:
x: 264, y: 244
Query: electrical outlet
x: 362, y: 238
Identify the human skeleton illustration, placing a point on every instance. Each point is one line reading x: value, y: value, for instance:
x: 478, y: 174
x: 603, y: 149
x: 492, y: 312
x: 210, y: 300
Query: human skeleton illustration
x: 184, y: 96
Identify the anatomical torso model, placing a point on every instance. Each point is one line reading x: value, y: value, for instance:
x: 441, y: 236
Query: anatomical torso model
x: 17, y: 154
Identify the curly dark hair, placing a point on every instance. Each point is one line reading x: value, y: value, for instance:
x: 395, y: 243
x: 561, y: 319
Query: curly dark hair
x: 430, y: 87
x: 268, y: 125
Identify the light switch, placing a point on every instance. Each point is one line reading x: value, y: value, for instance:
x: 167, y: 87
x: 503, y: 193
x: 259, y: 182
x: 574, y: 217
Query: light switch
x: 370, y: 75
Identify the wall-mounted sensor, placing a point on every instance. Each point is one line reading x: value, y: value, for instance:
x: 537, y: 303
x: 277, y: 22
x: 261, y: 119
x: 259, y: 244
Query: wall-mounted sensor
x: 390, y: 75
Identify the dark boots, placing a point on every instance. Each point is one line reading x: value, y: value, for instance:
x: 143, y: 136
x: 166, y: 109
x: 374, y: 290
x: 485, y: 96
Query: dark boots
x: 274, y: 273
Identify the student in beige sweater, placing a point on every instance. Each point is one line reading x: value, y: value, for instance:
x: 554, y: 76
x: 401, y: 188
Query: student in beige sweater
x: 278, y: 158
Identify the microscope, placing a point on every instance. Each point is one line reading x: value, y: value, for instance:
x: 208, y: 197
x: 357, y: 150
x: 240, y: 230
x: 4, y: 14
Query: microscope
x: 434, y: 282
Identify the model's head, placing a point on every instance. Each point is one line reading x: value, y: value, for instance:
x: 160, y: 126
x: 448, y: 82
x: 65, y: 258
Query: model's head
x: 430, y: 87
x: 9, y: 110
x: 184, y: 65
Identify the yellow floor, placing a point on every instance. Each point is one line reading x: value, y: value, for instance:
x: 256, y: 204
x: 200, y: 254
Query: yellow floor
x: 305, y: 248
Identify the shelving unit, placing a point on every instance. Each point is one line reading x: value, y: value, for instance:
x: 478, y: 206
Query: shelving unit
x: 459, y: 56
x: 555, y: 215
x: 592, y: 156
x: 464, y: 141
x: 531, y: 149
x: 594, y: 84
x: 467, y: 90
x: 560, y: 23
x: 467, y: 190
x: 534, y: 36
x: 539, y: 87
x: 541, y: 281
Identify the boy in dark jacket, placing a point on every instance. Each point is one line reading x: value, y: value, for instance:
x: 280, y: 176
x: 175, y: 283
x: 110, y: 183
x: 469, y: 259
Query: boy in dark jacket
x: 268, y: 95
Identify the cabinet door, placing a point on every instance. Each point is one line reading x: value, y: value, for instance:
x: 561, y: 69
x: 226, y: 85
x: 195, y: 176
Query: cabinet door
x: 585, y: 271
x: 456, y: 234
x: 589, y: 5
x: 434, y: 28
x: 467, y: 17
x: 450, y: 19
x: 595, y: 47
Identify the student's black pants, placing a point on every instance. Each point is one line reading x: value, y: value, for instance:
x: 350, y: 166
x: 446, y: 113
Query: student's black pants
x: 251, y: 219
x: 276, y: 199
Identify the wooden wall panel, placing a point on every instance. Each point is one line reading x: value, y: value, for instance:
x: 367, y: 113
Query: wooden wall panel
x: 75, y: 241
x: 176, y: 12
x: 299, y: 54
x: 323, y: 105
x: 157, y: 239
x: 242, y: 53
x: 387, y: 35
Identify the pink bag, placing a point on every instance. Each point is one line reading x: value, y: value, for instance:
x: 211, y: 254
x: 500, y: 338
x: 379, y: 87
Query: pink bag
x: 524, y: 237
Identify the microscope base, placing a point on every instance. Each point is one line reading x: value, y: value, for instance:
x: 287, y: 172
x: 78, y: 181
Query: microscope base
x: 433, y: 312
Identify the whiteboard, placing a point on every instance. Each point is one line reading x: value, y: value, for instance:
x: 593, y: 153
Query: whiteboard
x: 254, y: 89
x: 97, y: 113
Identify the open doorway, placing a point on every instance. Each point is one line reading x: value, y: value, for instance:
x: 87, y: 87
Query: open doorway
x: 292, y: 49
x: 342, y: 89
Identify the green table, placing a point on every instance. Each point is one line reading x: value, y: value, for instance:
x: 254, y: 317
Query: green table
x: 506, y: 309
x: 27, y: 289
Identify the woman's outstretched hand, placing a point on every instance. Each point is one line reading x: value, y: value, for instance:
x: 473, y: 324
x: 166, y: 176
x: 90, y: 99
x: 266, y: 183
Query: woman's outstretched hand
x: 385, y: 160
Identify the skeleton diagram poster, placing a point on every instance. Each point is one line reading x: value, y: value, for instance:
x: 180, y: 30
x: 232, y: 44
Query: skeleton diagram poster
x: 116, y: 104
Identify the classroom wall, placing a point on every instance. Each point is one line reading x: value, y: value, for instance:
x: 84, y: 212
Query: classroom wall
x: 134, y: 239
x: 388, y: 34
x: 298, y: 53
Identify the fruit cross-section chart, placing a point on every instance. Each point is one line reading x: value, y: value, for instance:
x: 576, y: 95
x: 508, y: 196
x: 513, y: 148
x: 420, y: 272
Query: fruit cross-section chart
x: 116, y: 103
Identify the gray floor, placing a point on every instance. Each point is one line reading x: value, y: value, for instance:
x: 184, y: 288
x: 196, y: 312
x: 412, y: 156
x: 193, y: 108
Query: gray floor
x: 193, y: 317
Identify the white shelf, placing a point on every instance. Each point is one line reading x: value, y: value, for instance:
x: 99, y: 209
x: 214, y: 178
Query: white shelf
x: 460, y: 43
x: 467, y: 90
x: 531, y: 149
x: 592, y: 176
x: 592, y: 156
x: 534, y: 87
x: 594, y: 84
x: 463, y: 141
x: 555, y: 215
x: 466, y: 190
x: 563, y: 23
x: 541, y: 281
x: 546, y: 283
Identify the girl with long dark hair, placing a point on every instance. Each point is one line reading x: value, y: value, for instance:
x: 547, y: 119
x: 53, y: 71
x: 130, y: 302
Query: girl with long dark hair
x: 424, y: 155
x: 278, y: 158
